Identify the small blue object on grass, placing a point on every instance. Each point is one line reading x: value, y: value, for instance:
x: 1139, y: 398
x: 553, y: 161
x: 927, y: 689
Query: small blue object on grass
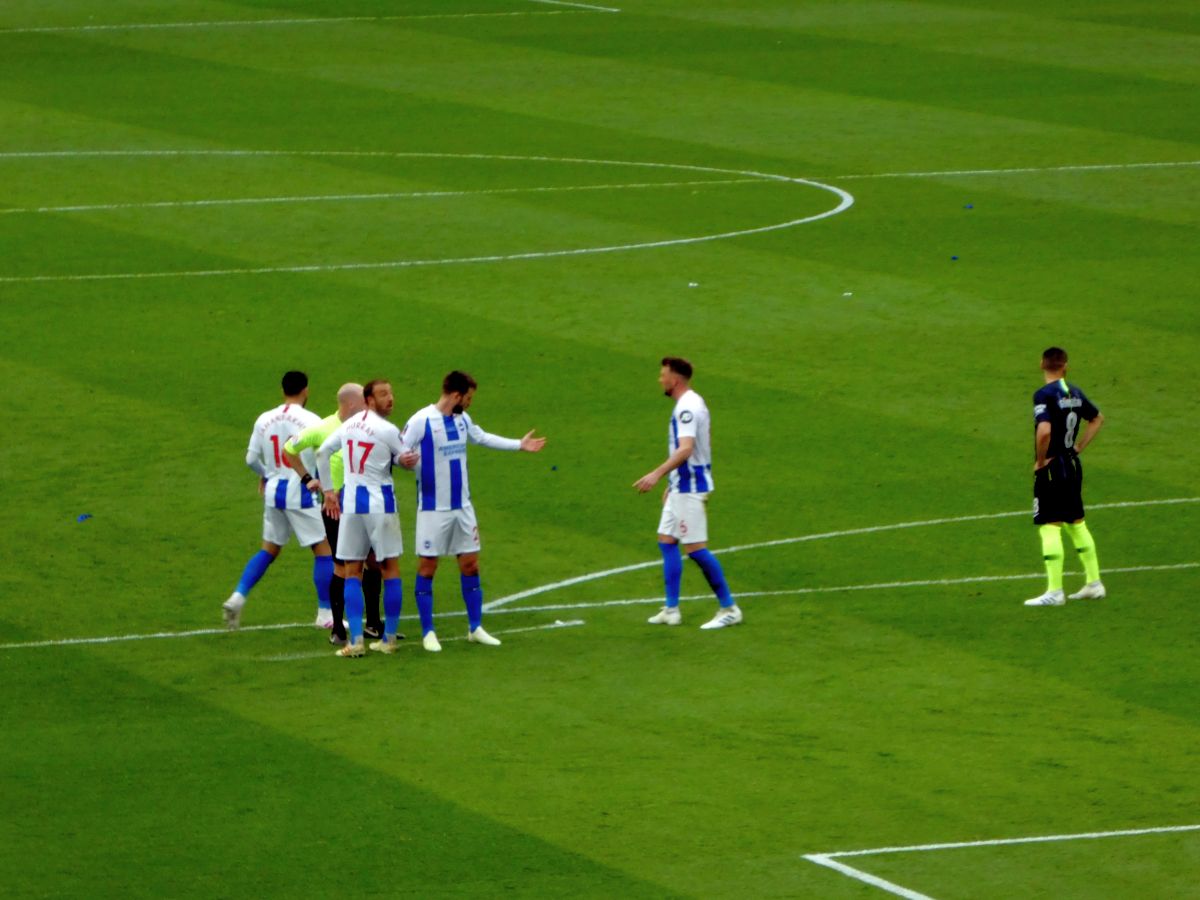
x: 554, y: 468
x: 83, y: 517
x: 969, y: 206
x: 954, y: 257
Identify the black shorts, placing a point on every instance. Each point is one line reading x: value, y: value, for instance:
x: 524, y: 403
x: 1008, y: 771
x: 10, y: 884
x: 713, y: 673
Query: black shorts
x: 1058, y: 491
x: 331, y: 534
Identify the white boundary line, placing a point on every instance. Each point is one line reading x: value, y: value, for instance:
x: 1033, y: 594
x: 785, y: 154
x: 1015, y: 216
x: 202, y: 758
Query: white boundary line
x: 599, y: 604
x: 396, y: 195
x: 589, y: 6
x: 552, y: 626
x: 829, y: 859
x: 846, y: 200
x: 1022, y: 171
x: 327, y: 20
x: 873, y: 529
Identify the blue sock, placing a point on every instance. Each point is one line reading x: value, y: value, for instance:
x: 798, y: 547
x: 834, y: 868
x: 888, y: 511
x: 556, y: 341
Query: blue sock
x: 672, y: 572
x: 473, y: 598
x: 322, y: 575
x: 714, y: 573
x: 354, y: 608
x: 255, y: 569
x: 393, y: 599
x: 424, y: 592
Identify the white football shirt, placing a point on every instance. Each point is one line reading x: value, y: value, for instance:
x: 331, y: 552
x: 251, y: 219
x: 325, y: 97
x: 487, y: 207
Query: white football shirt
x: 690, y: 419
x: 371, y: 444
x: 442, y: 482
x: 272, y: 430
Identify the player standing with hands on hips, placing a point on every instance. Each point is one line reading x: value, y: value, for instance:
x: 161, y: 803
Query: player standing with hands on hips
x: 1058, y: 409
x: 684, y: 516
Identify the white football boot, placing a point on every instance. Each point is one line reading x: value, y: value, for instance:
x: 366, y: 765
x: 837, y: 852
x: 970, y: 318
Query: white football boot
x: 232, y: 608
x: 479, y: 636
x: 1093, y: 590
x: 431, y: 643
x: 1050, y: 598
x: 668, y: 615
x: 726, y: 616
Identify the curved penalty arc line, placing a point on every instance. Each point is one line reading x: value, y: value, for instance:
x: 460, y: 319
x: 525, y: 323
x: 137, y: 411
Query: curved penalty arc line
x: 845, y: 201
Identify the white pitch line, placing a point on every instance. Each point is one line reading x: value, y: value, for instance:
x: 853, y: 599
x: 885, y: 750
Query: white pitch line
x: 830, y: 860
x: 1025, y: 170
x: 872, y: 529
x: 245, y: 23
x: 395, y: 195
x: 1000, y: 842
x: 891, y: 887
x: 608, y: 9
x: 601, y: 604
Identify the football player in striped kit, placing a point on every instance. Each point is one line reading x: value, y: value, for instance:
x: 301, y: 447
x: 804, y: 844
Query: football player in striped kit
x: 368, y: 519
x: 684, y: 516
x: 437, y: 437
x: 288, y: 508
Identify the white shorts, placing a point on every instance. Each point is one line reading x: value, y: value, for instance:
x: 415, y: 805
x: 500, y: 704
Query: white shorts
x: 685, y: 518
x: 360, y: 533
x: 447, y: 532
x: 280, y: 524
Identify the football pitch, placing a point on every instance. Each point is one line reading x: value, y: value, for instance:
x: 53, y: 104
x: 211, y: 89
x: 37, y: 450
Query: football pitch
x: 861, y: 221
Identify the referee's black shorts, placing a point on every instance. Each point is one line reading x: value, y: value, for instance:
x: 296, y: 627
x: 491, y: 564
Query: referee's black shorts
x: 1058, y: 491
x: 331, y: 534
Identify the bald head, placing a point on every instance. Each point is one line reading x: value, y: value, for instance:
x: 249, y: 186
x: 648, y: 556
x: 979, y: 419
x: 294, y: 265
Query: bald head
x: 350, y: 400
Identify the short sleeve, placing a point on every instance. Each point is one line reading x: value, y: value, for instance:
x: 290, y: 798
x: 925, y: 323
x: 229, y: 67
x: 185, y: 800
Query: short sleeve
x: 1041, y: 408
x: 687, y: 422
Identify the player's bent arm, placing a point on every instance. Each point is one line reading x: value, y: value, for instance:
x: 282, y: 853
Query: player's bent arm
x: 681, y: 455
x: 1089, y: 432
x: 254, y: 461
x: 1041, y: 445
x: 329, y: 446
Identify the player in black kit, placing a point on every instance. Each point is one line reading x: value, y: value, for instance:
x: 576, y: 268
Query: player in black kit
x: 1059, y: 408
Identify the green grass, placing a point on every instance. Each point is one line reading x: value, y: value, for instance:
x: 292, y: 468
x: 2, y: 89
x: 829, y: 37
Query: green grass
x: 866, y: 370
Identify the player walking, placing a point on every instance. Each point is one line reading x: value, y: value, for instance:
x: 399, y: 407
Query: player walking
x: 1058, y: 408
x: 437, y: 438
x: 684, y: 515
x: 368, y: 520
x: 288, y: 507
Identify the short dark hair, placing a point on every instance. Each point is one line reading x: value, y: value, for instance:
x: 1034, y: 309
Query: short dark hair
x: 369, y: 387
x: 679, y: 366
x: 293, y: 383
x: 457, y: 382
x: 1054, y: 358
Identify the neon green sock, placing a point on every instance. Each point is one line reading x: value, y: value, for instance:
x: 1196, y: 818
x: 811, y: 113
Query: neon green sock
x: 1052, y: 553
x: 1086, y: 548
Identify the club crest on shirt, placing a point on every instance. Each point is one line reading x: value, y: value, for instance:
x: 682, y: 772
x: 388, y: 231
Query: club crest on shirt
x: 685, y: 417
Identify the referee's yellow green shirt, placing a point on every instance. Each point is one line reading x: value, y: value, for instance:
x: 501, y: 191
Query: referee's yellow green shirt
x: 312, y: 438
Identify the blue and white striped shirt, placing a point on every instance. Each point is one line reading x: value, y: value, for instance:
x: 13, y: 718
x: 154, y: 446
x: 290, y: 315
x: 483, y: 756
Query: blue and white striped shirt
x: 442, y: 482
x: 371, y: 445
x: 273, y: 429
x: 690, y: 419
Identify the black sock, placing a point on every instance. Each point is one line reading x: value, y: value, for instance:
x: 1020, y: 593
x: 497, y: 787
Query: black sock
x: 337, y: 603
x: 372, y: 586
